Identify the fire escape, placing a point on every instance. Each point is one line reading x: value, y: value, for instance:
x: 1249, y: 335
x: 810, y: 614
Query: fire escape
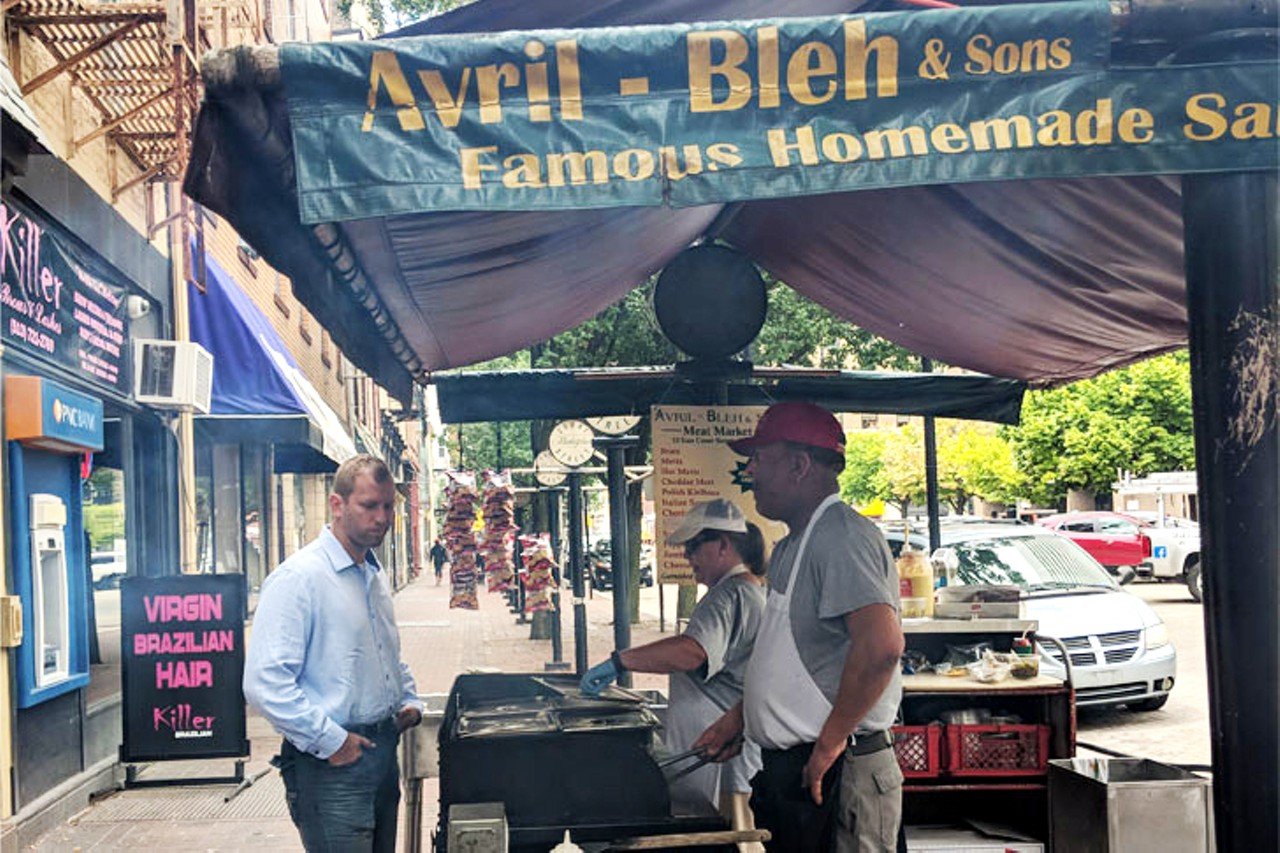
x: 136, y: 64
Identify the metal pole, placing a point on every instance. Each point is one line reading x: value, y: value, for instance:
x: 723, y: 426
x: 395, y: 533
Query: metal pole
x: 931, y: 470
x: 1231, y: 235
x: 575, y: 572
x: 553, y: 523
x: 521, y: 619
x: 615, y: 448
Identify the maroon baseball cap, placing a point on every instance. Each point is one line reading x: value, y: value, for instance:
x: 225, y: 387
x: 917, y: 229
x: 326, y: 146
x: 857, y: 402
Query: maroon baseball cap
x: 801, y: 423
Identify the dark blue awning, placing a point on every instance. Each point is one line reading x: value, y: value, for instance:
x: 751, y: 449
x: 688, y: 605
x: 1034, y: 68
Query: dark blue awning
x: 254, y: 375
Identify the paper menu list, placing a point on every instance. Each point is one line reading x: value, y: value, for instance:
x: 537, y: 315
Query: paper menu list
x: 692, y: 462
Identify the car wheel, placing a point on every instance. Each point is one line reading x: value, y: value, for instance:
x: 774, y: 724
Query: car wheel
x: 1194, y: 583
x: 1155, y: 703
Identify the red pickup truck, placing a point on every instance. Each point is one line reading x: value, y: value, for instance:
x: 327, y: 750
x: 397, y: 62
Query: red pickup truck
x: 1111, y: 538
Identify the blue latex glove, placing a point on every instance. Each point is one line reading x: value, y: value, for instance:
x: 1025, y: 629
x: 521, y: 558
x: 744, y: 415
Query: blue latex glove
x: 598, y: 678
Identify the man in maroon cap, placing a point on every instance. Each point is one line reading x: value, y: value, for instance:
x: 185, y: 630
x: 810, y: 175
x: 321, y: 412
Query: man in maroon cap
x: 823, y: 684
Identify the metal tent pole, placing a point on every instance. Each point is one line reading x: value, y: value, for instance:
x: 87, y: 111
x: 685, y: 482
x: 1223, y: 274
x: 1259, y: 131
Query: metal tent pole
x: 553, y: 524
x: 575, y: 572
x: 615, y: 448
x: 1233, y: 300
x: 931, y: 470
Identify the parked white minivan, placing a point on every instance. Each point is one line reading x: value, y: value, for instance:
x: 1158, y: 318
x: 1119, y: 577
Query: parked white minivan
x: 1120, y: 650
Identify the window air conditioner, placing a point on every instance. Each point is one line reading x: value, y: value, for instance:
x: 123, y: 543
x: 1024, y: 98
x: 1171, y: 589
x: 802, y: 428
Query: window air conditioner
x: 173, y: 375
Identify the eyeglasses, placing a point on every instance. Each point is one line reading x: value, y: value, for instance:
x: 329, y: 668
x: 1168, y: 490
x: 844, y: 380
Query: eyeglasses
x: 698, y: 541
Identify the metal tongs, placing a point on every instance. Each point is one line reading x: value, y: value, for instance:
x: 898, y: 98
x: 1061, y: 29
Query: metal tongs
x: 620, y: 695
x: 703, y: 760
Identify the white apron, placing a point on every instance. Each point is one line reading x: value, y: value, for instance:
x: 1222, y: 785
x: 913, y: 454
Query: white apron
x: 781, y: 704
x: 689, y: 713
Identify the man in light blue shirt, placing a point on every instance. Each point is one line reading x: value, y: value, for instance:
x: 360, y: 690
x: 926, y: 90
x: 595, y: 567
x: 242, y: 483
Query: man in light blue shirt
x: 324, y: 668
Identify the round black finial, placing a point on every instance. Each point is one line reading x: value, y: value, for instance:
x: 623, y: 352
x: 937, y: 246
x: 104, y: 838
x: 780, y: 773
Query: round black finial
x: 710, y: 301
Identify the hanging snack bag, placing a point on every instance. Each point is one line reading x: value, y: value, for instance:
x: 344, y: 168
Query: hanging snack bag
x: 499, y: 530
x: 540, y: 580
x: 461, y: 498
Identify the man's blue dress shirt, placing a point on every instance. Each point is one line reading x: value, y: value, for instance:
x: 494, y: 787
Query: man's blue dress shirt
x: 325, y: 652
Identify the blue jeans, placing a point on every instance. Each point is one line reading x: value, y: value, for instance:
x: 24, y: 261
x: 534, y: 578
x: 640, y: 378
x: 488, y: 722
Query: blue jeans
x: 350, y: 809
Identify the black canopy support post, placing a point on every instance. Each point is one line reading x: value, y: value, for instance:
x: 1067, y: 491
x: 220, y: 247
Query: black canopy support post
x: 553, y: 528
x: 931, y: 470
x: 1233, y: 300
x: 615, y: 448
x: 522, y: 618
x: 575, y: 572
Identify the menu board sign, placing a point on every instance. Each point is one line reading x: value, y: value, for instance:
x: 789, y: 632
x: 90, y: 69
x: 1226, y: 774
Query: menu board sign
x: 182, y: 647
x: 692, y: 462
x: 54, y: 307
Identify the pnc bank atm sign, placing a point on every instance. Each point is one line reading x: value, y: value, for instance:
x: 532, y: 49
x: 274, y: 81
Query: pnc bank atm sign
x: 41, y: 413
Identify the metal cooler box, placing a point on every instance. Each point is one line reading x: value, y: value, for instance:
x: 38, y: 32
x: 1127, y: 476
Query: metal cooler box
x: 1114, y: 805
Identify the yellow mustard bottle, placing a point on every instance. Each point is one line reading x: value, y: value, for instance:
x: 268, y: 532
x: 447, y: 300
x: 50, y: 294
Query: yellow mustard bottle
x: 915, y: 576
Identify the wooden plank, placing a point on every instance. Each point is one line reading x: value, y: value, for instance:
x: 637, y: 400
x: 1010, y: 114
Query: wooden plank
x: 968, y: 626
x: 115, y: 122
x: 72, y: 60
x: 691, y: 839
x: 930, y: 682
x: 29, y: 21
x: 137, y: 179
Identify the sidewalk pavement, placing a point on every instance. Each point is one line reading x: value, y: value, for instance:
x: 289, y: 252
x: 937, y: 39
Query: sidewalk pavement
x: 437, y: 643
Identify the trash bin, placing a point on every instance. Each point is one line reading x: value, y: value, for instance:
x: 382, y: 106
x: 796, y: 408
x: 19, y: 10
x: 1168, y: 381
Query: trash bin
x: 1114, y: 805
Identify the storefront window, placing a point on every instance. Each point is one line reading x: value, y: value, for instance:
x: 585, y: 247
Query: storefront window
x: 254, y: 465
x: 299, y: 529
x: 204, y: 508
x: 104, y: 532
x: 227, y: 516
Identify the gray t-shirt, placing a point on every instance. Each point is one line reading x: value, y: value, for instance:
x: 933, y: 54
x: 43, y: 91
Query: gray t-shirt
x: 847, y: 566
x: 725, y: 623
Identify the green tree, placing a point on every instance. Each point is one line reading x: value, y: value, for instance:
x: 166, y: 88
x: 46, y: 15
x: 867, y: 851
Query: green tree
x: 474, y: 447
x: 1137, y: 419
x: 799, y: 331
x: 863, y: 476
x: 394, y: 14
x: 623, y: 335
x: 975, y: 462
x: 901, y: 480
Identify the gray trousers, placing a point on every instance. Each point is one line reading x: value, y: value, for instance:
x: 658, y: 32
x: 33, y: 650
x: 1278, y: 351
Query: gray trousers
x: 870, y: 805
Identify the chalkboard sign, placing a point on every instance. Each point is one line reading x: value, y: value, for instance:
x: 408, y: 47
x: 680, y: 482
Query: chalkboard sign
x: 182, y: 649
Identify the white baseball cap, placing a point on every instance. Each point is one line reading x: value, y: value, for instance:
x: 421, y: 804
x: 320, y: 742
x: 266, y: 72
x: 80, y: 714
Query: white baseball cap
x: 718, y: 514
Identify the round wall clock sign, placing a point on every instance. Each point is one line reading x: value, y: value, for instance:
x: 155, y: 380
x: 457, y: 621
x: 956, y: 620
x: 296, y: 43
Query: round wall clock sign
x: 570, y: 443
x: 547, y: 470
x: 614, y: 424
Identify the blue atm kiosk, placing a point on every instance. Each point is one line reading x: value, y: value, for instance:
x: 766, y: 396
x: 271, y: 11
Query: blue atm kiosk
x: 49, y: 428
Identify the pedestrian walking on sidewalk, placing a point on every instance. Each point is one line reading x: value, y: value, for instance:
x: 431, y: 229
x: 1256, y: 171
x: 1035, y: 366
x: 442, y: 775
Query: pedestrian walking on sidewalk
x: 438, y: 557
x: 708, y: 661
x: 324, y: 668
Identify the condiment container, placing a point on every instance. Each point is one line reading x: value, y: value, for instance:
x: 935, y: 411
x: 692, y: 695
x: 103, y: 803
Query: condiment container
x: 915, y: 581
